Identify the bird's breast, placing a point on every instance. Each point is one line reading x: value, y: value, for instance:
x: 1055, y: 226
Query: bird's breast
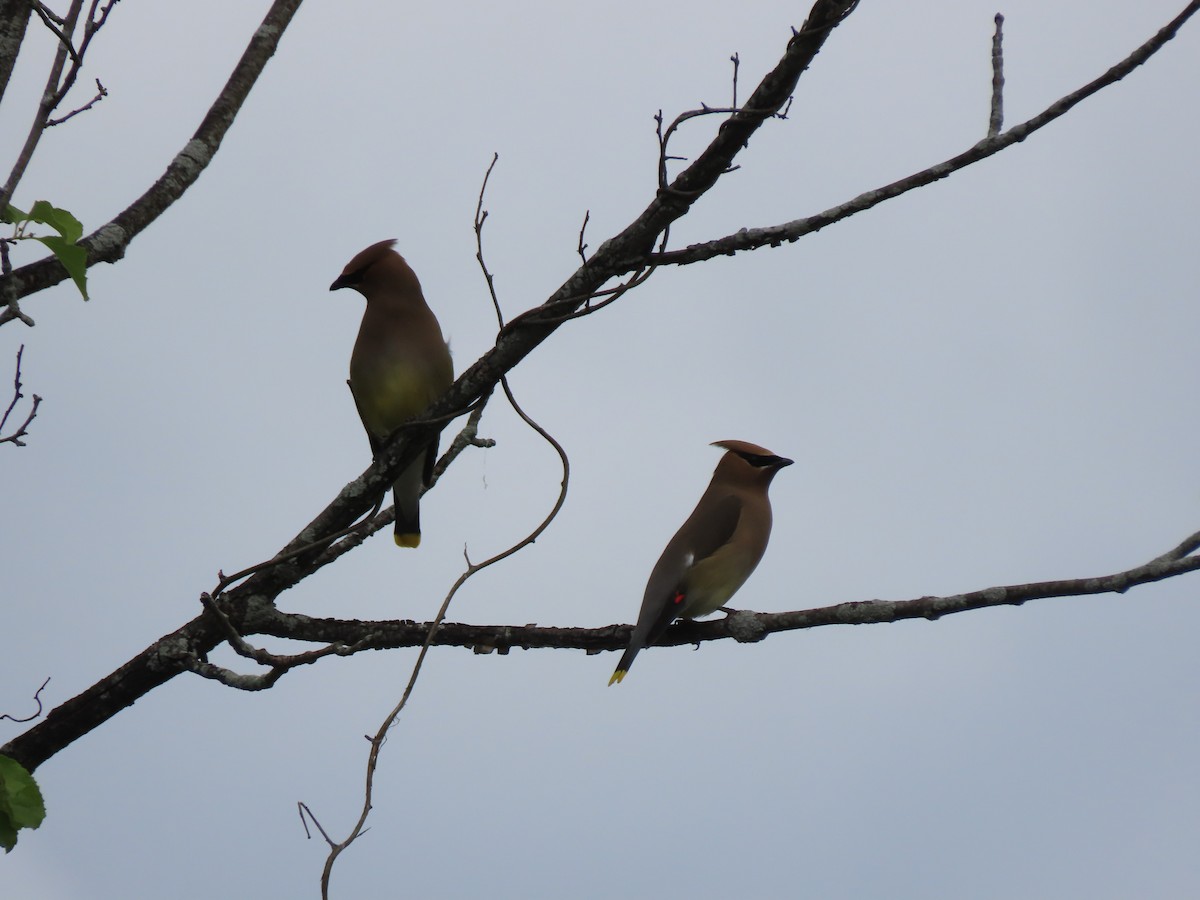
x: 389, y: 392
x: 710, y: 583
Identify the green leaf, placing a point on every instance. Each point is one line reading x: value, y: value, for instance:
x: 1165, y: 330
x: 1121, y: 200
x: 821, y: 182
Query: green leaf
x: 73, y: 257
x: 21, y: 804
x: 12, y: 215
x: 60, y: 220
x: 64, y: 245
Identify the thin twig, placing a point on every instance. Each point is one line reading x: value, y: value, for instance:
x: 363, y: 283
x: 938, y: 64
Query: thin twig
x: 55, y: 23
x: 90, y: 27
x: 472, y: 569
x: 377, y: 741
x: 37, y: 696
x: 996, y: 120
x: 101, y: 93
x: 481, y: 215
x: 587, y: 214
x: 23, y: 430
x: 304, y: 811
x: 538, y: 315
x: 13, y: 310
x: 733, y: 111
x: 50, y: 99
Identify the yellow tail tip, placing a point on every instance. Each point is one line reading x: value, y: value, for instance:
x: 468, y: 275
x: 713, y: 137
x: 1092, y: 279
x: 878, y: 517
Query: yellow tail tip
x: 617, y: 677
x: 408, y: 540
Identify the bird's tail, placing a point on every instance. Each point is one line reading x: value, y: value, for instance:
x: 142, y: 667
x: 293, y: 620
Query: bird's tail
x: 407, y: 493
x: 623, y: 666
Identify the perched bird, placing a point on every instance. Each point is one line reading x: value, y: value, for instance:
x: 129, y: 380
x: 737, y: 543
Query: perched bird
x: 715, y: 551
x: 400, y: 364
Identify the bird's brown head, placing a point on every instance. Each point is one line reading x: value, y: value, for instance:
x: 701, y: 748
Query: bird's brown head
x: 379, y: 264
x: 750, y: 460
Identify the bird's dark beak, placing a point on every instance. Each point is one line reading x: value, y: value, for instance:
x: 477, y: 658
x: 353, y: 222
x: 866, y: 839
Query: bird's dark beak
x: 781, y: 461
x: 340, y: 283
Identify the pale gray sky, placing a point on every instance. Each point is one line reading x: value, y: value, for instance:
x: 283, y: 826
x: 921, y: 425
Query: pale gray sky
x: 989, y: 381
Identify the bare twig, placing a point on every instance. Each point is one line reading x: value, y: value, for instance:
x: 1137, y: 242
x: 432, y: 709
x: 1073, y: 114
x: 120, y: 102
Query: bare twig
x: 377, y: 741
x: 37, y: 696
x: 664, y: 138
x: 23, y: 429
x: 101, y: 93
x: 46, y: 12
x: 996, y: 120
x: 50, y: 95
x: 305, y: 816
x: 788, y: 232
x: 91, y: 26
x: 468, y: 436
x: 278, y: 665
x: 56, y: 25
x: 587, y: 214
x: 225, y: 581
x: 13, y: 311
x: 481, y: 215
x: 539, y: 315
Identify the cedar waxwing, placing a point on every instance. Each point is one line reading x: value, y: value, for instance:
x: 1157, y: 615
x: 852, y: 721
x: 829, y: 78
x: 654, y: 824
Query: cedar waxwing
x: 399, y: 366
x: 715, y: 551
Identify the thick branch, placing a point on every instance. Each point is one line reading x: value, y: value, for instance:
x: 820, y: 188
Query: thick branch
x: 742, y: 626
x: 154, y: 666
x: 14, y: 21
x: 108, y: 243
x: 789, y: 232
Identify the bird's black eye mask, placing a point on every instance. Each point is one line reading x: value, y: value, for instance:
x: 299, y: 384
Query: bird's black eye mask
x: 760, y: 461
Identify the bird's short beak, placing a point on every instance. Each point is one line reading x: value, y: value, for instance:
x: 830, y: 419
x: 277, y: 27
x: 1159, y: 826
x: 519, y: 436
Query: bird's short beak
x: 781, y: 461
x: 340, y: 283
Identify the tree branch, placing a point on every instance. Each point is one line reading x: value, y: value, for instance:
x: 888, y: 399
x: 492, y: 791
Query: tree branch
x: 101, y: 93
x: 996, y: 118
x: 789, y: 232
x: 108, y: 243
x: 14, y: 22
x: 742, y: 626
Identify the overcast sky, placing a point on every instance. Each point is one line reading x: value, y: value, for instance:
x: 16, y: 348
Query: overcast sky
x: 989, y: 381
